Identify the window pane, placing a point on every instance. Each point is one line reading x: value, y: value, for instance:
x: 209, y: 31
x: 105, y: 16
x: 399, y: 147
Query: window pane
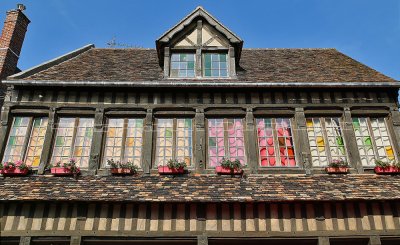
x: 225, y: 140
x: 113, y: 140
x: 325, y: 148
x: 182, y: 65
x: 83, y: 141
x: 215, y: 65
x: 134, y: 138
x: 275, y: 142
x: 184, y: 140
x: 164, y: 141
x: 36, y: 142
x: 16, y: 139
x: 63, y: 140
x: 370, y: 132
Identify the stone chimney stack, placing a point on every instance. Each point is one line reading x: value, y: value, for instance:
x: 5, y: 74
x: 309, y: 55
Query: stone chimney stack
x: 11, y: 40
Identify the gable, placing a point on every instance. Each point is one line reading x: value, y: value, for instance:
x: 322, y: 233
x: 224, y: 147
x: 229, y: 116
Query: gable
x: 209, y: 36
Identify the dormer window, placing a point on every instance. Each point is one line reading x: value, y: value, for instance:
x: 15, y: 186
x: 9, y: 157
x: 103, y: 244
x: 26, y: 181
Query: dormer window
x: 215, y: 65
x: 183, y: 65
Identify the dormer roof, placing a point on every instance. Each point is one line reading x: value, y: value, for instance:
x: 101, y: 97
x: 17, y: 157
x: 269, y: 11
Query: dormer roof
x: 187, y: 24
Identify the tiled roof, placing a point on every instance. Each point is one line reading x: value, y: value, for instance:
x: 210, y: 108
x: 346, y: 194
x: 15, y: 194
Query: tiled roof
x: 266, y: 188
x: 256, y: 65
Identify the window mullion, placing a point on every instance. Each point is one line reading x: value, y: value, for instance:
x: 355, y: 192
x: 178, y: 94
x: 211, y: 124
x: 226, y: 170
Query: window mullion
x: 26, y: 140
x: 372, y: 136
x: 123, y: 140
x: 326, y: 140
x: 275, y: 142
x: 226, y: 143
x: 174, y: 128
x: 74, y: 137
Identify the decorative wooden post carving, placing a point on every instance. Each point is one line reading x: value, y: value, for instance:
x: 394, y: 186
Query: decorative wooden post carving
x: 95, y: 151
x: 4, y: 124
x: 301, y: 141
x: 351, y: 143
x: 251, y: 141
x: 200, y: 142
x: 45, y: 157
x: 147, y: 142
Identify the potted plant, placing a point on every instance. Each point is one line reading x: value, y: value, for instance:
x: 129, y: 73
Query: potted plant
x: 172, y: 167
x: 118, y: 168
x: 229, y: 167
x: 19, y: 168
x: 383, y: 167
x: 65, y: 169
x: 337, y: 166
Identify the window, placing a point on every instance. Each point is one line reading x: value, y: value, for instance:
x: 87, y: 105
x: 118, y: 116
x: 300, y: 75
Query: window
x: 373, y: 140
x: 73, y: 140
x: 174, y: 140
x: 182, y: 65
x: 326, y: 140
x: 215, y: 65
x: 225, y: 139
x: 124, y: 140
x: 26, y: 139
x: 275, y: 142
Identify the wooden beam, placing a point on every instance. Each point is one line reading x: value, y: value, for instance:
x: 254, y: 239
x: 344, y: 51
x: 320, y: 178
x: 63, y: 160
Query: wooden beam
x: 374, y: 240
x: 351, y: 142
x: 323, y: 241
x: 75, y: 240
x: 147, y: 142
x: 45, y: 157
x: 200, y: 141
x: 25, y: 240
x: 202, y: 240
x: 301, y: 140
x: 251, y: 139
x: 95, y: 151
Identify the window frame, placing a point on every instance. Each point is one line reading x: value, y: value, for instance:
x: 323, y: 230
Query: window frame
x: 174, y: 140
x: 276, y: 142
x: 203, y: 63
x: 72, y: 146
x: 226, y: 144
x: 27, y: 137
x: 329, y: 158
x: 373, y: 141
x: 194, y: 65
x: 123, y: 139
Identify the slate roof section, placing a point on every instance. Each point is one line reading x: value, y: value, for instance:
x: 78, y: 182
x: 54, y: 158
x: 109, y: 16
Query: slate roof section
x: 266, y: 188
x: 256, y: 65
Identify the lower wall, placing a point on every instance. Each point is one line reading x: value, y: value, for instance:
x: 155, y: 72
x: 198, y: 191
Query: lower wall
x: 193, y: 219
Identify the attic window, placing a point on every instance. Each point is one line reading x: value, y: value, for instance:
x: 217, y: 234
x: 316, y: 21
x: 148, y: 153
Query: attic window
x: 182, y: 65
x: 215, y: 65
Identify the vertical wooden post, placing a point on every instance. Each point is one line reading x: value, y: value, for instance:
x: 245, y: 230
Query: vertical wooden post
x: 232, y: 62
x: 202, y: 240
x: 301, y: 141
x: 97, y: 139
x: 147, y: 142
x: 25, y: 240
x: 198, y: 69
x: 75, y: 240
x: 199, y: 142
x: 45, y: 157
x: 374, y: 240
x: 251, y: 140
x: 323, y: 241
x: 395, y: 117
x: 166, y: 62
x: 4, y: 124
x: 351, y: 142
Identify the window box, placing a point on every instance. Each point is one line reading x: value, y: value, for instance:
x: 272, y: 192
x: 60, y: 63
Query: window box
x: 122, y: 171
x: 387, y: 170
x: 337, y: 170
x: 61, y: 171
x: 15, y: 172
x: 227, y: 171
x: 168, y: 170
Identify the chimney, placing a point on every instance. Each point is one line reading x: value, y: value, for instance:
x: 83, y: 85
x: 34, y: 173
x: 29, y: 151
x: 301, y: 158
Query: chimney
x: 11, y: 40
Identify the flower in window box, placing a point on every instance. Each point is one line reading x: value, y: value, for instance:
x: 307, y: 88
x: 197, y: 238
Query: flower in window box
x: 229, y: 167
x: 118, y: 168
x: 383, y: 167
x: 172, y: 167
x: 19, y: 168
x: 66, y: 169
x: 337, y: 166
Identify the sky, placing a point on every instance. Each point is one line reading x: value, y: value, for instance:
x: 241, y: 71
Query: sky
x: 366, y: 30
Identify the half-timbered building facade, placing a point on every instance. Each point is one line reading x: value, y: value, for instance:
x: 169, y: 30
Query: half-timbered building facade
x: 199, y: 97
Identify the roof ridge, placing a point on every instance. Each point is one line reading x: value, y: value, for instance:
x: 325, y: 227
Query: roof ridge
x: 53, y: 62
